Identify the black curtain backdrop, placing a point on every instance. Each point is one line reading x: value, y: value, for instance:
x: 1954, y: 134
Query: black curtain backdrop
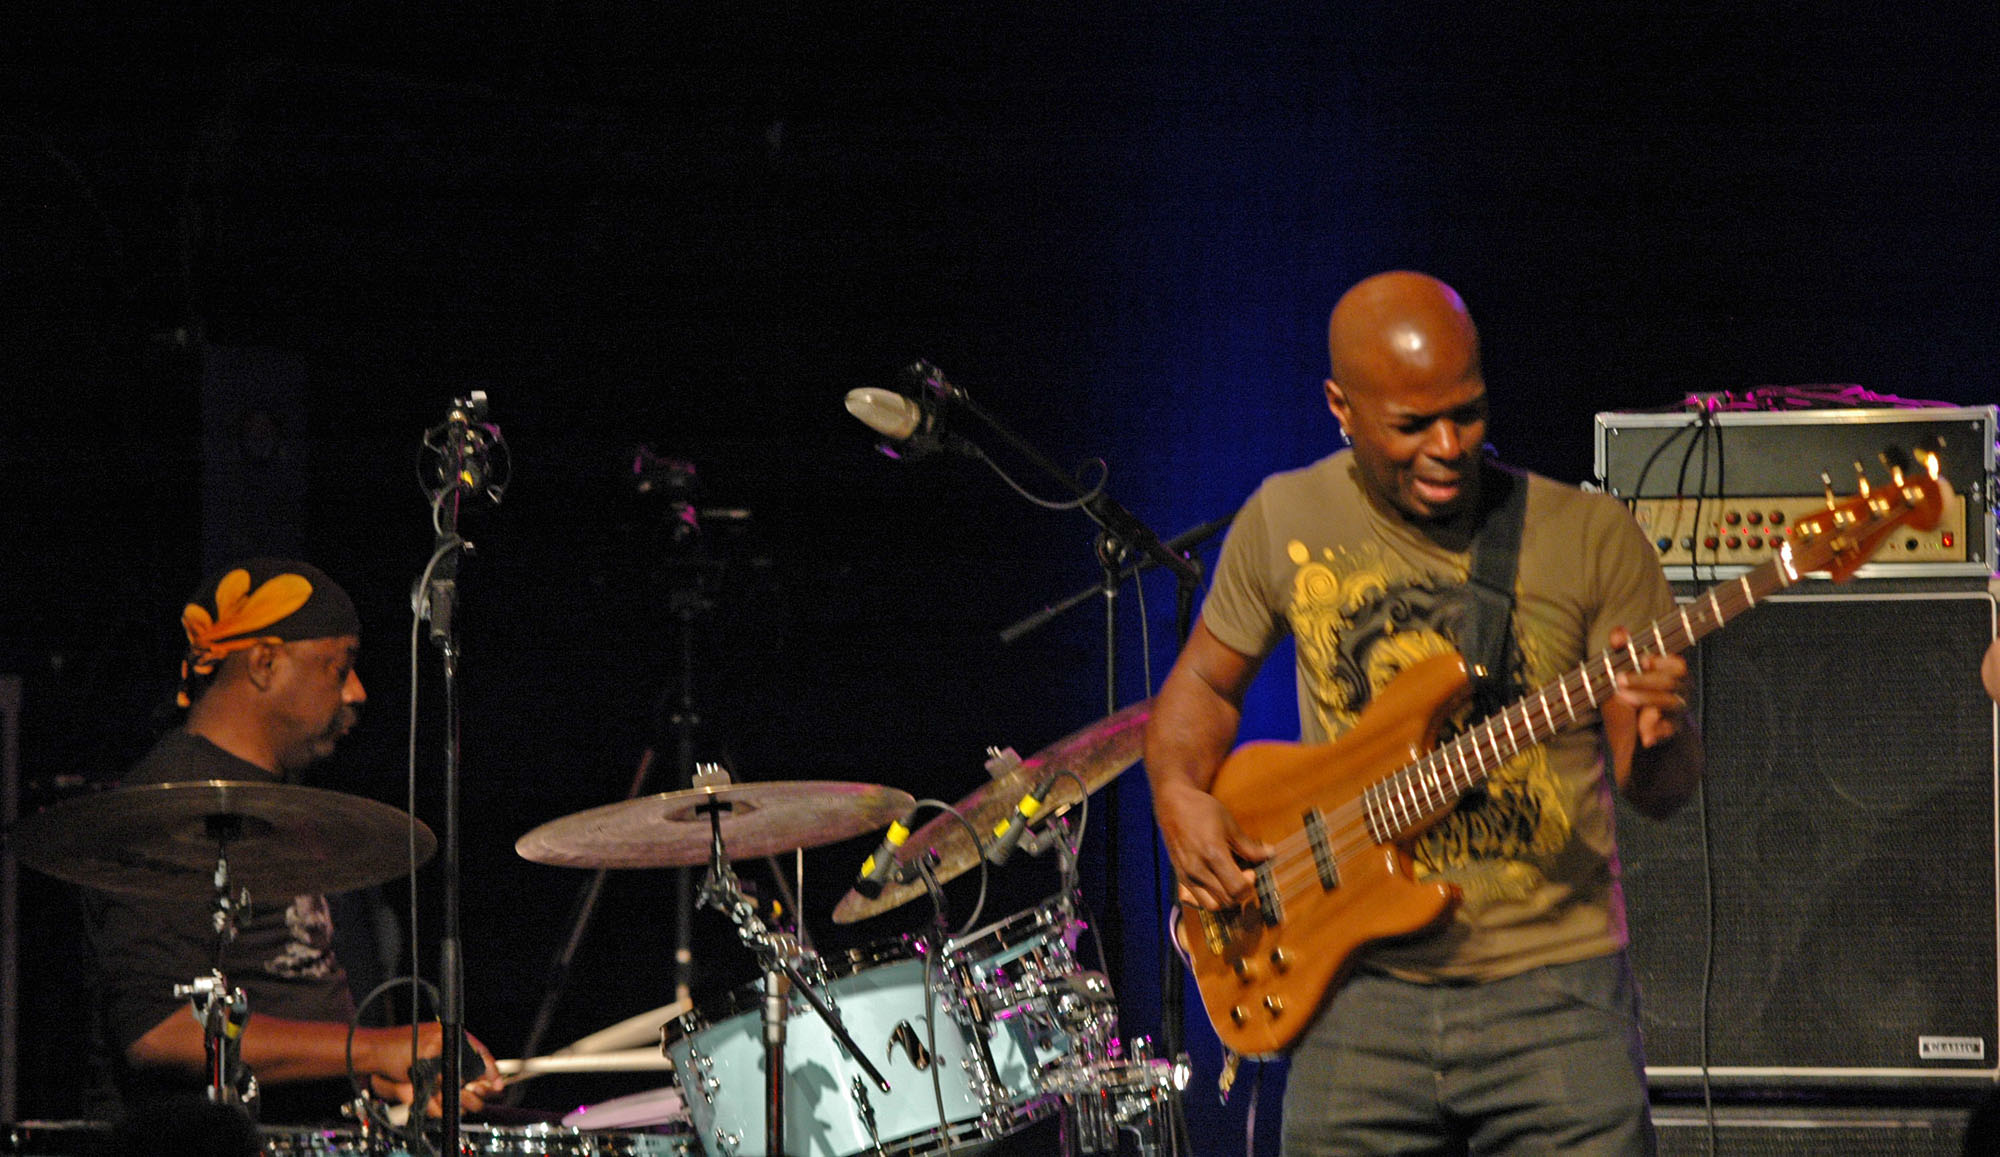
x: 694, y: 227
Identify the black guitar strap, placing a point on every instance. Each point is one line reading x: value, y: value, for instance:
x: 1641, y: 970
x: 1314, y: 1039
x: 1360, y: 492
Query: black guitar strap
x: 1496, y: 554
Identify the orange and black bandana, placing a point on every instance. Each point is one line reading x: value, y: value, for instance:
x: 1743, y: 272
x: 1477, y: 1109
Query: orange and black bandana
x: 260, y: 600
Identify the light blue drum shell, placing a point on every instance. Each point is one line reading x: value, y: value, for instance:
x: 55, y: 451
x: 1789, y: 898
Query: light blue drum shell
x: 721, y: 1071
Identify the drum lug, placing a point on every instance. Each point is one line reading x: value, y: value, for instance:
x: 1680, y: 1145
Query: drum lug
x: 858, y: 1089
x: 703, y: 1067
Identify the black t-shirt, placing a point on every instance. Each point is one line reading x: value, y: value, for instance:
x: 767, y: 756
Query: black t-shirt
x: 282, y: 956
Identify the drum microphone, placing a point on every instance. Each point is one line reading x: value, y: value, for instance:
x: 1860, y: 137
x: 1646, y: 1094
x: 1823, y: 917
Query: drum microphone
x: 879, y: 869
x: 1008, y: 832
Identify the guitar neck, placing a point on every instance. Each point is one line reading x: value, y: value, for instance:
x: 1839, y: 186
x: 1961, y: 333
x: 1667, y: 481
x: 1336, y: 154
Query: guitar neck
x: 1406, y: 801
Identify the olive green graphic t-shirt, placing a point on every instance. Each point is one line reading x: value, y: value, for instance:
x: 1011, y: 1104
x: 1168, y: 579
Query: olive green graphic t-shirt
x: 1367, y: 593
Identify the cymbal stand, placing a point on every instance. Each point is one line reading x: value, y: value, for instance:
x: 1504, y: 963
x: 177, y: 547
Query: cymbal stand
x: 968, y: 1006
x: 780, y: 958
x: 1110, y: 1086
x: 222, y: 1011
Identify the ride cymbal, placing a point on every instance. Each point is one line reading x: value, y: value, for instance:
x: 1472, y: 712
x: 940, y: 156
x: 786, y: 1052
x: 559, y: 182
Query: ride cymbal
x: 162, y: 839
x: 672, y: 830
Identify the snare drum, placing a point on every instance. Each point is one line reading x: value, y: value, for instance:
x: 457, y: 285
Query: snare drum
x: 479, y: 1140
x: 831, y: 1108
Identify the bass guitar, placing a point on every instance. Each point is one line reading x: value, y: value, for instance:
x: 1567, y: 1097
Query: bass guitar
x: 1342, y: 816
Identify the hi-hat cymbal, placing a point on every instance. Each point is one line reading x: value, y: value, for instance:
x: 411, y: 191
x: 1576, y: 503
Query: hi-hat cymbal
x: 161, y: 839
x: 1097, y: 755
x: 672, y: 830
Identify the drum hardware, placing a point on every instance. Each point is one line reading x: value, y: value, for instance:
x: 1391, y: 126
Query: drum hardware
x: 701, y: 1069
x: 485, y: 1141
x: 865, y: 1108
x: 780, y: 956
x: 1136, y: 1093
x: 222, y: 1012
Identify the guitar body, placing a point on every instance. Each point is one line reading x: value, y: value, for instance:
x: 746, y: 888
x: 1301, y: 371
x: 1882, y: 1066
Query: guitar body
x: 1262, y: 983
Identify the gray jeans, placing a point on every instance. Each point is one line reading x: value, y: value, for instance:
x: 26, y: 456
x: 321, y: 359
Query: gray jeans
x: 1545, y: 1062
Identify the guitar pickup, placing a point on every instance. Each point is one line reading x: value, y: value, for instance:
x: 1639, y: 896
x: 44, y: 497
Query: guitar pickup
x: 1269, y: 904
x: 1322, y: 850
x: 1211, y: 933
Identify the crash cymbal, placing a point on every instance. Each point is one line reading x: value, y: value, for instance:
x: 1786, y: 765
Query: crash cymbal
x: 1097, y: 754
x: 160, y: 839
x: 672, y: 830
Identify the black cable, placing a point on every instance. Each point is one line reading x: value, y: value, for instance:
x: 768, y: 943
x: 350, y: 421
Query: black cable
x: 933, y: 959
x: 419, y: 986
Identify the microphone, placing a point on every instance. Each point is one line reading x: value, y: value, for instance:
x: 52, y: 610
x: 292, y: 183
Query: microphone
x: 897, y: 417
x: 1008, y: 832
x: 880, y: 867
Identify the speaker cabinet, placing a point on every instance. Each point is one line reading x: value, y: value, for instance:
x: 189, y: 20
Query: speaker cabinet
x: 1823, y: 913
x: 1811, y: 1132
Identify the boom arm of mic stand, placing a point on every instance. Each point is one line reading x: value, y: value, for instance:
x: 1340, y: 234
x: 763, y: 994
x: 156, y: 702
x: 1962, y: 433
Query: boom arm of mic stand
x: 1120, y: 523
x: 1186, y: 540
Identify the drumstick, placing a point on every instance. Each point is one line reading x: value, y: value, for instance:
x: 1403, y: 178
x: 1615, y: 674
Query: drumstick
x: 625, y: 1061
x: 627, y: 1033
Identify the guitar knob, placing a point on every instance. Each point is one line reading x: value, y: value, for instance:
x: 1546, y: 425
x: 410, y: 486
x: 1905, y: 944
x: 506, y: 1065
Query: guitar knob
x: 1239, y: 1015
x: 1275, y: 1005
x: 1281, y: 960
x: 1243, y: 970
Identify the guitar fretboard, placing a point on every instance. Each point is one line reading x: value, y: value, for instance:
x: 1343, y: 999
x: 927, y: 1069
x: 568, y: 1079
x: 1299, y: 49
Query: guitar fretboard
x: 1406, y: 800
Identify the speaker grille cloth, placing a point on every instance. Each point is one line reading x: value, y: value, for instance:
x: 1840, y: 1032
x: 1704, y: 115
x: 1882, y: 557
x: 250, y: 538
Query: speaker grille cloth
x: 1850, y: 802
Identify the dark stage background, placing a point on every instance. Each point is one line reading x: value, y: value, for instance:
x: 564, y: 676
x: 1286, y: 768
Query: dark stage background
x: 251, y: 254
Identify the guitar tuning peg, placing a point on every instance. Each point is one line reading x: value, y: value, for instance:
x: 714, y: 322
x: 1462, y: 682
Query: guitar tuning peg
x: 1898, y: 461
x: 1861, y: 479
x: 1826, y: 480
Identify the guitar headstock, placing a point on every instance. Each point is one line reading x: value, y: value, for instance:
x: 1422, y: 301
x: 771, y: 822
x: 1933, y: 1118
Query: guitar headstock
x: 1847, y: 533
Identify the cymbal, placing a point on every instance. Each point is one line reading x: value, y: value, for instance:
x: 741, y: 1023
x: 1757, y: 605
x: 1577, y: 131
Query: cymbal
x: 672, y: 830
x: 1098, y: 754
x: 160, y: 839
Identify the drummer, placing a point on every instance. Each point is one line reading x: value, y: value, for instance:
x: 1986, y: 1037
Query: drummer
x: 267, y: 689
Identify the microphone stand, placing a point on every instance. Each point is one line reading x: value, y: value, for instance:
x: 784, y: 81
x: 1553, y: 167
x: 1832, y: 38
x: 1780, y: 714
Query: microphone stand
x: 1183, y: 543
x: 1122, y: 536
x: 464, y: 467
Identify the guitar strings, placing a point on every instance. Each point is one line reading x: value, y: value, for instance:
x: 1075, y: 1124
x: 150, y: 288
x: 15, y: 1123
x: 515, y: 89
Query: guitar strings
x: 1404, y: 798
x: 1416, y: 789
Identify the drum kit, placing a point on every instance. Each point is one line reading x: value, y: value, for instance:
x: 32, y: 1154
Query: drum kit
x: 933, y: 1043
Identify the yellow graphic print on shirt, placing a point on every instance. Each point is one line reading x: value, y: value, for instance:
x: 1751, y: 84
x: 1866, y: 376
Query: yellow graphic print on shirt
x: 1358, y: 626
